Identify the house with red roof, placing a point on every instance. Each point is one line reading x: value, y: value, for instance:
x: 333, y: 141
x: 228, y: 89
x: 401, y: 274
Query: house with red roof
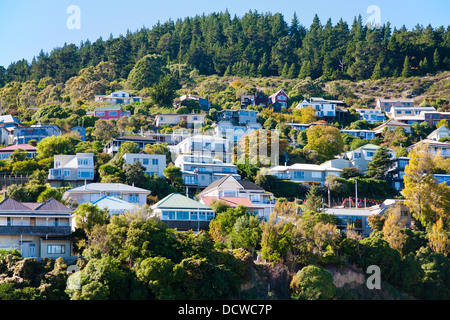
x: 6, y: 152
x: 236, y: 192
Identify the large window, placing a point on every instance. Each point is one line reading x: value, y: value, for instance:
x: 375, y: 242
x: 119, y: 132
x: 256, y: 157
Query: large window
x: 56, y: 249
x: 299, y: 175
x: 182, y: 215
x: 83, y: 161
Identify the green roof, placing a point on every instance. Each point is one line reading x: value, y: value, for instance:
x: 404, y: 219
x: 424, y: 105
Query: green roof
x: 178, y: 201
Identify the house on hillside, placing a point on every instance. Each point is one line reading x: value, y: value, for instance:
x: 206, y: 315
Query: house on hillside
x: 91, y: 192
x: 279, y: 99
x: 35, y: 132
x: 193, y: 120
x: 6, y: 152
x: 117, y: 97
x: 74, y: 170
x: 115, y: 206
x: 182, y: 213
x: 199, y: 171
x: 236, y: 192
x: 110, y: 112
x: 386, y: 104
x: 434, y: 147
x: 153, y: 163
x: 392, y: 125
x: 441, y: 132
x: 305, y: 173
x: 37, y: 230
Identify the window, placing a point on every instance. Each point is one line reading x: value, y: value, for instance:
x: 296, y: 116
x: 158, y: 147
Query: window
x: 83, y: 161
x: 182, y: 215
x: 299, y: 175
x: 145, y: 162
x: 56, y: 222
x: 370, y: 153
x: 57, y: 164
x: 133, y: 198
x: 113, y: 113
x: 155, y: 162
x: 100, y: 114
x: 85, y: 174
x: 66, y: 173
x: 316, y: 174
x: 209, y: 215
x: 194, y: 215
x: 168, y: 215
x: 8, y: 221
x: 56, y: 249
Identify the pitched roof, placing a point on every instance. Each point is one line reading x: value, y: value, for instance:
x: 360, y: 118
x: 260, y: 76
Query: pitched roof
x: 98, y: 187
x: 114, y: 204
x: 9, y: 204
x: 441, y: 128
x: 230, y: 201
x: 25, y: 147
x: 245, y: 184
x: 178, y: 201
x: 393, y: 123
x: 52, y: 205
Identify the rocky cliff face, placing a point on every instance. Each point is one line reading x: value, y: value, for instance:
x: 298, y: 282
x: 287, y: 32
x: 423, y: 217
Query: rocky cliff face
x: 347, y: 276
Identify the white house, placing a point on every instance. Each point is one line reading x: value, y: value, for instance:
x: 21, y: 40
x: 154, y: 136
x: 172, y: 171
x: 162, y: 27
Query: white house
x: 193, y: 120
x: 117, y: 97
x: 203, y: 145
x: 153, y: 163
x: 72, y: 170
x: 91, y: 192
x: 359, y: 133
x: 441, y: 132
x: 227, y: 130
x: 200, y: 170
x: 434, y: 147
x: 305, y: 173
x: 392, y: 125
x: 324, y: 108
x: 371, y: 115
x: 386, y: 104
x: 361, y: 156
x: 397, y: 112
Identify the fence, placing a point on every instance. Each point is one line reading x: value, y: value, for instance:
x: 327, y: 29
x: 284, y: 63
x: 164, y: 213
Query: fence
x: 7, y: 179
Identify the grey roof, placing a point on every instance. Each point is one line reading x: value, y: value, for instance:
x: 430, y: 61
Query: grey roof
x: 246, y: 184
x: 99, y: 187
x: 11, y: 205
x: 178, y: 201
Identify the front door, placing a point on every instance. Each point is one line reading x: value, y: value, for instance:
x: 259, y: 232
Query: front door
x: 32, y: 250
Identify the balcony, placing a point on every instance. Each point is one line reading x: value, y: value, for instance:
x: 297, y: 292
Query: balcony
x: 35, y: 230
x: 55, y: 174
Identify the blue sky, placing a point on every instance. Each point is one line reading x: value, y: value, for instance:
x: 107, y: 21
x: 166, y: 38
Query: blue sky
x: 27, y: 26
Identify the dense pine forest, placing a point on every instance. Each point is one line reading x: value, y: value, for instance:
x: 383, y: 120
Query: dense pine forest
x: 256, y: 44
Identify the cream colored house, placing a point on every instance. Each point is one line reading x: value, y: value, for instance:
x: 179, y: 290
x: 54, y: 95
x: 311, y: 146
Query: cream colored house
x: 37, y: 230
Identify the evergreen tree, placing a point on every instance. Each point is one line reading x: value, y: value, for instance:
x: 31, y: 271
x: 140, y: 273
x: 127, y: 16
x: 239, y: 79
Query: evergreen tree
x: 436, y: 60
x: 376, y: 72
x: 406, y: 72
x: 305, y: 70
x: 380, y: 163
